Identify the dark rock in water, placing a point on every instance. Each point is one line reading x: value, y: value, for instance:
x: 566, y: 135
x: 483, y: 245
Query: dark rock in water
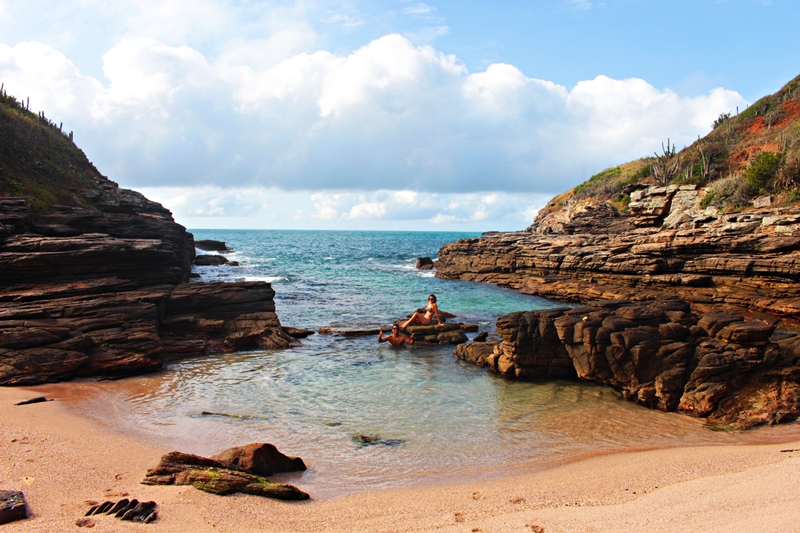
x: 425, y: 263
x: 660, y: 355
x: 481, y: 337
x: 374, y: 440
x: 208, y: 245
x: 297, y: 333
x: 233, y: 263
x: 216, y: 477
x: 210, y: 260
x: 12, y: 506
x: 259, y: 458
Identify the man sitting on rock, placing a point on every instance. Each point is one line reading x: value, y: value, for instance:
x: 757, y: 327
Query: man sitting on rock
x: 396, y: 338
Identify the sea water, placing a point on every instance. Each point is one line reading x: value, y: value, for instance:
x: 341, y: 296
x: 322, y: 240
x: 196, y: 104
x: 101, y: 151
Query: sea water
x: 366, y: 416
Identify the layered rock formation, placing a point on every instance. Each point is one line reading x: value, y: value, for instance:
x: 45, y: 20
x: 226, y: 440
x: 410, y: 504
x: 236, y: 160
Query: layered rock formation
x: 77, y: 302
x: 667, y: 246
x: 661, y: 355
x: 93, y: 276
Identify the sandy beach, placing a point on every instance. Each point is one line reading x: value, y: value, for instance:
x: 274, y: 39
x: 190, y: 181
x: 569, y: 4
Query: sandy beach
x: 64, y: 463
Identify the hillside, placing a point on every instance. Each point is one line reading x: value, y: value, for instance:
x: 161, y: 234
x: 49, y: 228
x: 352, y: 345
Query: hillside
x: 687, y: 265
x: 752, y: 154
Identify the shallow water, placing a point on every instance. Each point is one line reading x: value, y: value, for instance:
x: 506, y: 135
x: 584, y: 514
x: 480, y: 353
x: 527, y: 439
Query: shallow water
x: 365, y: 416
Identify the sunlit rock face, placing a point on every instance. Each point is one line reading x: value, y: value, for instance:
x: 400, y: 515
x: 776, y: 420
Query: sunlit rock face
x: 661, y: 355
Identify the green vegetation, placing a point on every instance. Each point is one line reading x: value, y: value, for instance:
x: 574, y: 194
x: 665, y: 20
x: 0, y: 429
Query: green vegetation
x: 719, y: 121
x: 601, y: 176
x: 762, y: 171
x: 38, y: 160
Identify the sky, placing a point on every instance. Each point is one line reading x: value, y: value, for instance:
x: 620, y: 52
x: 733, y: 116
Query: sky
x: 384, y: 114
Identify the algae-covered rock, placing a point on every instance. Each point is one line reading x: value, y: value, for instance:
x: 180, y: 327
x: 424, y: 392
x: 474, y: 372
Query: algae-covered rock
x: 216, y: 477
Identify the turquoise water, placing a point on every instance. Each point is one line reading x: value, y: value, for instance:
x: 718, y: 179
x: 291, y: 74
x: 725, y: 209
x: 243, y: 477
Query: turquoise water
x: 429, y: 417
x: 346, y: 277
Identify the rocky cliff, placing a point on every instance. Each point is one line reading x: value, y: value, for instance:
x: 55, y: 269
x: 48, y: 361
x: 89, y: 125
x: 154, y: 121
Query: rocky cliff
x: 93, y: 277
x: 668, y: 245
x: 660, y: 355
x: 706, y: 241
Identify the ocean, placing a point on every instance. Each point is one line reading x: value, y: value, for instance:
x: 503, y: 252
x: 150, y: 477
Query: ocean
x: 365, y: 416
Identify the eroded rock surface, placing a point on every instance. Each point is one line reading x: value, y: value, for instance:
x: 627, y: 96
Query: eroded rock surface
x: 724, y: 366
x: 668, y: 246
x: 101, y: 290
x: 219, y: 476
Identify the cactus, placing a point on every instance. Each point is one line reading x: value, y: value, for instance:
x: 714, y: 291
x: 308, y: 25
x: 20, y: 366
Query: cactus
x: 706, y: 160
x: 667, y: 166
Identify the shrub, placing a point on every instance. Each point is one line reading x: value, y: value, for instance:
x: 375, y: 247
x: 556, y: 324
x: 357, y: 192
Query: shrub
x: 719, y: 121
x: 789, y: 175
x: 728, y: 192
x: 762, y: 171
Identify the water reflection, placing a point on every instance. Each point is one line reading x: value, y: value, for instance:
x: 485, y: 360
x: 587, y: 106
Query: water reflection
x: 364, y: 417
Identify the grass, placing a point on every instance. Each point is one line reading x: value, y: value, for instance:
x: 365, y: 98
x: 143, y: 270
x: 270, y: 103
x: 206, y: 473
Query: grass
x: 38, y: 161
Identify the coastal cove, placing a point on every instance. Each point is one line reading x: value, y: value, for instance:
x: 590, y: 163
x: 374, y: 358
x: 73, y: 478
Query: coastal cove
x: 427, y: 418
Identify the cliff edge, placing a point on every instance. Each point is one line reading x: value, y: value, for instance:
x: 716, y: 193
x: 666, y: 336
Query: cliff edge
x: 93, y: 277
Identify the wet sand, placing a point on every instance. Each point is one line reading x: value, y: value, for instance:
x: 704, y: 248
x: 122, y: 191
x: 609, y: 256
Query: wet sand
x: 63, y: 463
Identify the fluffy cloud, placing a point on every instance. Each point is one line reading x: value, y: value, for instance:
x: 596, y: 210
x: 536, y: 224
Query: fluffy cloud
x: 388, y: 116
x: 258, y: 207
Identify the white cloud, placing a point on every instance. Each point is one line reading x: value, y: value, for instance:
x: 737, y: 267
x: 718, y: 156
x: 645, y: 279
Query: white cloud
x: 256, y: 207
x: 419, y: 9
x: 368, y: 210
x: 388, y: 116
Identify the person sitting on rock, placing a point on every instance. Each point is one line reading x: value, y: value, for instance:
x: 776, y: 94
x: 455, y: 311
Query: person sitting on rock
x: 430, y: 310
x: 396, y: 338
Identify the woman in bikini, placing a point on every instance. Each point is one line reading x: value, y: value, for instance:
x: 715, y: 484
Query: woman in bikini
x: 430, y: 310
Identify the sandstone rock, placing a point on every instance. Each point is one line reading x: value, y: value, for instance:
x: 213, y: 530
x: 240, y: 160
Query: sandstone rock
x: 209, y: 475
x: 476, y: 352
x: 259, y: 458
x: 659, y: 355
x: 297, y: 333
x: 115, y: 329
x: 99, y: 287
x: 583, y: 252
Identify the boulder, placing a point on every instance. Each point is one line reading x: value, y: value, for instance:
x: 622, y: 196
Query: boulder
x: 216, y: 477
x: 259, y: 458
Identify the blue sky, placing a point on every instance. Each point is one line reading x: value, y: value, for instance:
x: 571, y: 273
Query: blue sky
x: 388, y: 114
